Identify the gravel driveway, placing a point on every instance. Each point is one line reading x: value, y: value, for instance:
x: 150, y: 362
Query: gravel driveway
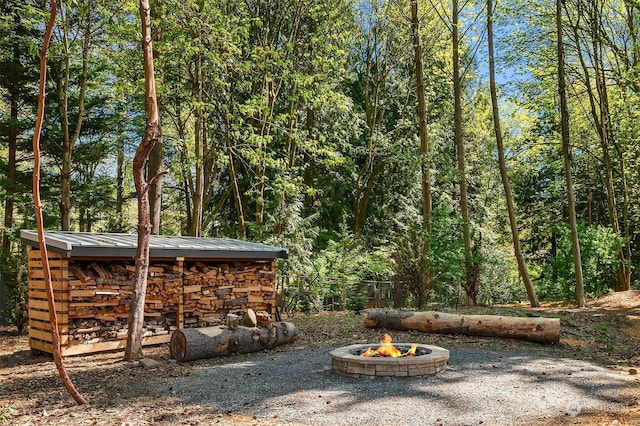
x: 478, y: 387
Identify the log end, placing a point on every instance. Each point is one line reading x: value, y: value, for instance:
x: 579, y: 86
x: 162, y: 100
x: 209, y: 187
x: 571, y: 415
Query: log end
x: 249, y: 319
x: 369, y: 323
x: 178, y: 345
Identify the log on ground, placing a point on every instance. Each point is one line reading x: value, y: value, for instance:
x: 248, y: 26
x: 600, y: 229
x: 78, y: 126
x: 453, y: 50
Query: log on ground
x: 197, y: 343
x: 535, y: 329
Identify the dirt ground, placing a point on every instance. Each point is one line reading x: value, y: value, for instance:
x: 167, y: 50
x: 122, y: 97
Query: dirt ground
x: 607, y: 332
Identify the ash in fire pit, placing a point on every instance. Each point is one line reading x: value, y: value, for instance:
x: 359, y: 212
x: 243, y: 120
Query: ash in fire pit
x: 384, y: 360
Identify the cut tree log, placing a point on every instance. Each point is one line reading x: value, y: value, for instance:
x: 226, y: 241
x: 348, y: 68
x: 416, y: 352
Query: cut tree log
x: 249, y: 319
x: 197, y: 343
x: 537, y: 329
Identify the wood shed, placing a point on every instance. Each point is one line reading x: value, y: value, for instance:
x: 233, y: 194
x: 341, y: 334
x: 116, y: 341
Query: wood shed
x: 192, y: 282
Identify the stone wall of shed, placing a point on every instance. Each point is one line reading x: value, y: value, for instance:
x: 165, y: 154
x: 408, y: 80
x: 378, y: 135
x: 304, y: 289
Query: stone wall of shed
x: 94, y: 296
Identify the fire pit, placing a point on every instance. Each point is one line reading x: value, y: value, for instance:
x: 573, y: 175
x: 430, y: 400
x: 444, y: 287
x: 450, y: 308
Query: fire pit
x: 385, y: 360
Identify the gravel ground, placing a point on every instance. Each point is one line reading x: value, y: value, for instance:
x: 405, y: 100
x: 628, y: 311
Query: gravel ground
x: 478, y: 387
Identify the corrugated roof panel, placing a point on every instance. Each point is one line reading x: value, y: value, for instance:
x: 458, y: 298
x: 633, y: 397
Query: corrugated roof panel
x: 82, y: 244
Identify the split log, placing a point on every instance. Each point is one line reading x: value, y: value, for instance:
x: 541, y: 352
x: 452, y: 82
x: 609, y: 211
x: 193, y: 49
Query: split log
x: 197, y: 343
x: 536, y: 329
x: 249, y: 319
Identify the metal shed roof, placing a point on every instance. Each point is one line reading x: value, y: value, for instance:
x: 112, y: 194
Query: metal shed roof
x: 87, y: 244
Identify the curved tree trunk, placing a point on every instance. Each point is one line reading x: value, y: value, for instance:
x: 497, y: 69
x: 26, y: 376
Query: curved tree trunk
x: 133, y: 350
x: 53, y: 317
x: 522, y: 267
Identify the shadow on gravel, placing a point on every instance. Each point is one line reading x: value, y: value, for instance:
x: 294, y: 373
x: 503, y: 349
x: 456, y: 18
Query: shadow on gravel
x: 479, y: 386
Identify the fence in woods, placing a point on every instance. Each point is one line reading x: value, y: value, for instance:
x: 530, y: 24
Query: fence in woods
x: 333, y: 293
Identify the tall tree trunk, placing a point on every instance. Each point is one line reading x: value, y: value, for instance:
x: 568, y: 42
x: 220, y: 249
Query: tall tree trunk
x: 234, y: 179
x: 522, y: 267
x: 198, y: 194
x: 471, y: 287
x: 606, y: 138
x: 156, y: 163
x: 133, y: 350
x: 292, y: 145
x: 14, y: 99
x: 270, y: 91
x: 425, y: 160
x: 625, y: 221
x: 309, y: 163
x: 269, y: 35
x: 632, y: 29
x: 53, y: 317
x: 364, y: 189
x: 601, y: 115
x: 120, y: 177
x: 564, y: 132
x: 156, y: 168
x: 377, y: 65
x: 69, y: 139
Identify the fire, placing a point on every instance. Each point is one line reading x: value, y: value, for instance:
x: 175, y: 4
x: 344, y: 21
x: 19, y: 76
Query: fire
x: 386, y: 349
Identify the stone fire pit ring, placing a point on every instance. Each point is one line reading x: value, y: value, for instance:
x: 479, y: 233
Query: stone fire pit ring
x: 346, y: 361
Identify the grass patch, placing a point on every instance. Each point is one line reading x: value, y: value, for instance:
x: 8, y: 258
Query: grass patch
x: 598, y: 326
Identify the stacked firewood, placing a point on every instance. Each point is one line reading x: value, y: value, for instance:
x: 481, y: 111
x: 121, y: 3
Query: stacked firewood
x: 195, y: 294
x: 211, y: 292
x: 88, y: 331
x: 100, y: 294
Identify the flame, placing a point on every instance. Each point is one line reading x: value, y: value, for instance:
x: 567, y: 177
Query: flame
x: 386, y: 349
x: 412, y: 350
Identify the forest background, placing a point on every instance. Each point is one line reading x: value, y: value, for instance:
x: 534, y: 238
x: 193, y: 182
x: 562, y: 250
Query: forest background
x: 360, y: 135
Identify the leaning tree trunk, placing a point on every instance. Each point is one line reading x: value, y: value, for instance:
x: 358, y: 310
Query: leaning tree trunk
x: 542, y: 330
x: 564, y: 132
x: 53, y: 317
x: 133, y: 350
x: 197, y: 343
x: 522, y: 267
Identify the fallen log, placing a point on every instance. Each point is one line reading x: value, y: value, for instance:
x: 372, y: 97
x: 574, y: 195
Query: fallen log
x: 189, y: 344
x: 535, y: 329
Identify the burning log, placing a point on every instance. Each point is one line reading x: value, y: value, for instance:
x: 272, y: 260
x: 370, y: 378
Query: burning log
x: 542, y: 330
x: 197, y: 343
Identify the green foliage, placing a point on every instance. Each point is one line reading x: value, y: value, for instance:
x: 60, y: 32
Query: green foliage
x: 13, y: 276
x: 501, y: 281
x: 357, y: 300
x: 599, y: 247
x: 412, y: 264
x: 296, y: 233
x: 350, y: 259
x: 345, y: 268
x: 430, y: 268
x: 313, y: 106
